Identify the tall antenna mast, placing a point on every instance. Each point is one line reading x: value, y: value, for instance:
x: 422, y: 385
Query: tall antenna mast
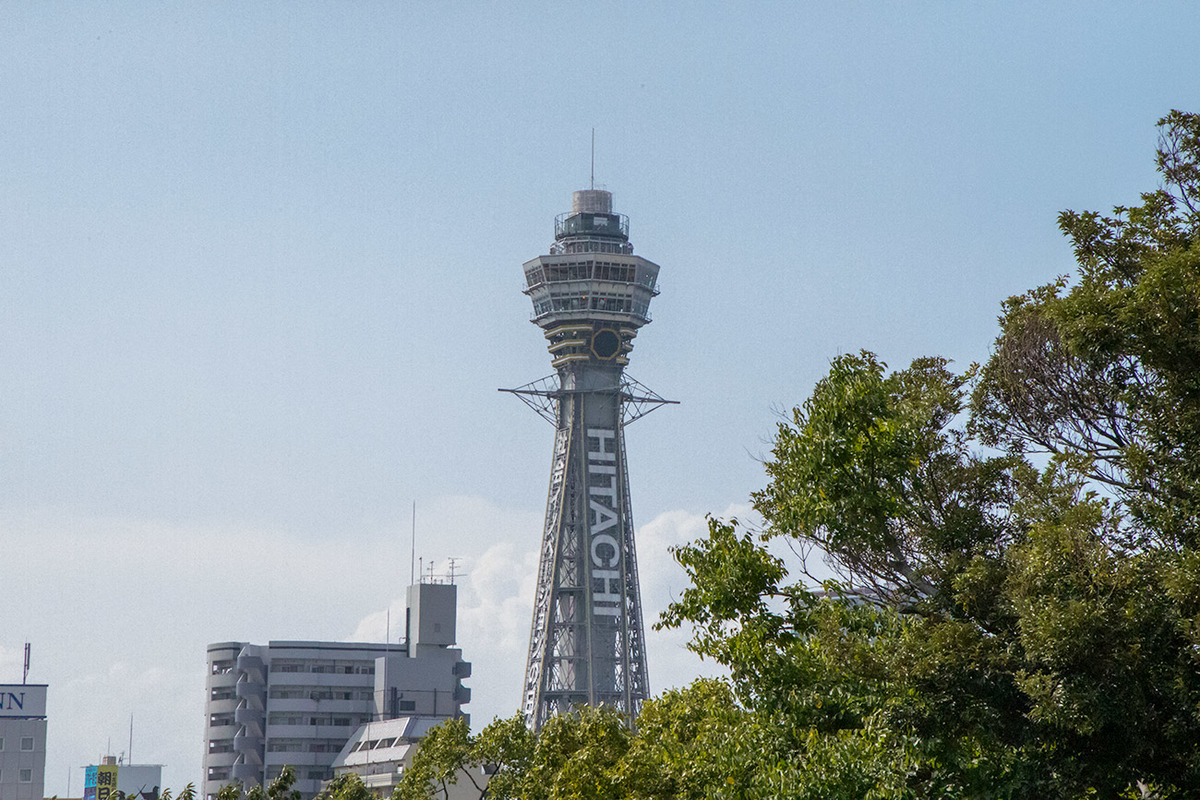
x: 593, y: 186
x: 25, y: 676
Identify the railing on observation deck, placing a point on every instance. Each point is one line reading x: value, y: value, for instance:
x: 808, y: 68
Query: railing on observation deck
x: 614, y: 225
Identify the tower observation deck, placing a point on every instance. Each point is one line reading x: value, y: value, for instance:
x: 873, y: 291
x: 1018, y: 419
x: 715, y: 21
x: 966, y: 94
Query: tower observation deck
x: 590, y: 296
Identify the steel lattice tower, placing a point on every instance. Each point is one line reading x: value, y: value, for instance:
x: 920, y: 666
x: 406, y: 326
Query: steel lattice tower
x: 590, y: 295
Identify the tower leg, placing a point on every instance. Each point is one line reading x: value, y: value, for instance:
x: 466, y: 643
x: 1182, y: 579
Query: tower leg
x: 587, y: 640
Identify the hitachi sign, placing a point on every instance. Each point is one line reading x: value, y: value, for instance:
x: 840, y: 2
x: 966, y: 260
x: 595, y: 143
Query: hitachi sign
x: 22, y: 700
x: 603, y: 500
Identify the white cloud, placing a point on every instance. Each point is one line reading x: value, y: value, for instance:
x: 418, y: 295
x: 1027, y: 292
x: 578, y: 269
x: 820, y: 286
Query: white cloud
x: 671, y: 664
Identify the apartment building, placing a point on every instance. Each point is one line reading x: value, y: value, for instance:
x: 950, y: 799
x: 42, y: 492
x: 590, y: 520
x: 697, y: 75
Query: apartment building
x: 297, y: 703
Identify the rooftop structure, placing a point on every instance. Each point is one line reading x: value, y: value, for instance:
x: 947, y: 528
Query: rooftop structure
x: 379, y: 752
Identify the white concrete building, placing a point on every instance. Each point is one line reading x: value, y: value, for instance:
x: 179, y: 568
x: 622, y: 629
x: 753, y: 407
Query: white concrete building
x: 22, y: 741
x: 380, y: 752
x: 296, y: 703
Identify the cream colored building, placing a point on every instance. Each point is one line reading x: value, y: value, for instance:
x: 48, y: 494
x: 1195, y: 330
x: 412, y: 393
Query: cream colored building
x: 380, y: 752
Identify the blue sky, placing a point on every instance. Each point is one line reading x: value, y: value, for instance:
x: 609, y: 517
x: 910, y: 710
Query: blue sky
x: 260, y: 281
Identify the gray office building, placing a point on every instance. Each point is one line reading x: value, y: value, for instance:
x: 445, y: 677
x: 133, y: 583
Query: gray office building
x: 297, y: 703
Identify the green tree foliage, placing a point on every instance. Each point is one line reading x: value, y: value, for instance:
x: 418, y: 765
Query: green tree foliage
x: 279, y: 789
x: 447, y: 754
x: 1017, y: 609
x: 187, y: 793
x: 230, y: 791
x: 347, y: 787
x: 686, y: 740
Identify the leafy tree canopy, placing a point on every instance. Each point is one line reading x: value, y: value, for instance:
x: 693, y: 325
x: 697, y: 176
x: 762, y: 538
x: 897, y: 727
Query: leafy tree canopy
x: 1017, y: 548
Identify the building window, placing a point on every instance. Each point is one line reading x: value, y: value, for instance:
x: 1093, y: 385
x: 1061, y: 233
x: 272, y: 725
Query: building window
x: 25, y: 776
x: 27, y: 743
x: 1, y: 742
x: 408, y: 705
x: 285, y: 719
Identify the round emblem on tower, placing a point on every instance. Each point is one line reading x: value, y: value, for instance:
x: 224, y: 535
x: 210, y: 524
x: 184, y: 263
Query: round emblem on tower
x: 606, y: 343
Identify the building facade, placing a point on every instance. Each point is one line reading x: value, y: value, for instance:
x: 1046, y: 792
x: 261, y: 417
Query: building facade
x: 296, y: 703
x: 590, y: 297
x: 379, y: 752
x: 112, y: 780
x: 22, y: 741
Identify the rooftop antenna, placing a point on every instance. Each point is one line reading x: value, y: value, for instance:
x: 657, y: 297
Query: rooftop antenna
x: 593, y: 158
x: 25, y: 676
x: 412, y: 567
x: 453, y: 563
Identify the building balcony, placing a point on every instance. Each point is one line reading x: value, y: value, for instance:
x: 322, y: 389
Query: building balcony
x: 222, y: 679
x: 225, y: 706
x: 246, y: 663
x: 355, y: 679
x: 246, y: 773
x: 247, y: 744
x: 553, y: 316
x: 295, y: 759
x: 250, y: 689
x: 326, y: 705
x: 249, y: 716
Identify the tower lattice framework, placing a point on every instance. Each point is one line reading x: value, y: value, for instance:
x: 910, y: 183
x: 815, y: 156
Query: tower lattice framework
x: 590, y: 296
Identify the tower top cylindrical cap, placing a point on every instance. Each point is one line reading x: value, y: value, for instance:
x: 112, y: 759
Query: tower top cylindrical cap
x: 592, y: 201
